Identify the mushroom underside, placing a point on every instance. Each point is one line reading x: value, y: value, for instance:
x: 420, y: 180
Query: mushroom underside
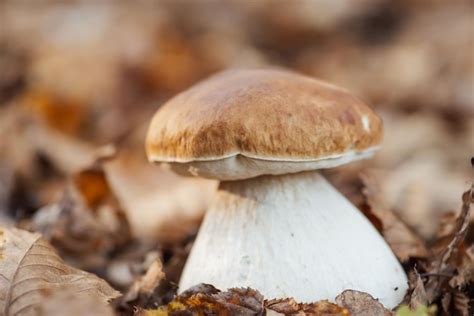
x: 244, y: 166
x: 292, y: 236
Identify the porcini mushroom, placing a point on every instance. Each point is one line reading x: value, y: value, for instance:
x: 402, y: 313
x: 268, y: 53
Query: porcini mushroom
x: 276, y: 224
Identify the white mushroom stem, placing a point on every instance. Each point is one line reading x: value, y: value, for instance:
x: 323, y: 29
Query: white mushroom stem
x: 292, y: 236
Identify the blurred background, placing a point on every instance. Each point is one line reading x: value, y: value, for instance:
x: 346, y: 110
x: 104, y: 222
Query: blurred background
x: 76, y: 76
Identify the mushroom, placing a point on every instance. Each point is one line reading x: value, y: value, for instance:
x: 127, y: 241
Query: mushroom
x: 276, y: 224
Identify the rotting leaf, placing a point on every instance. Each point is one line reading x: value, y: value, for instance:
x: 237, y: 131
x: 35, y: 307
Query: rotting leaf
x: 290, y: 307
x: 241, y: 299
x: 360, y: 303
x: 29, y: 266
x: 204, y: 299
x: 403, y: 241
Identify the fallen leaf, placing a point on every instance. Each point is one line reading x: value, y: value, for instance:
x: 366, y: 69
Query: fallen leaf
x: 465, y: 269
x: 458, y: 232
x: 239, y: 300
x: 147, y: 283
x: 417, y: 293
x: 59, y: 113
x: 289, y: 306
x: 87, y: 223
x: 201, y: 288
x: 360, y: 303
x: 283, y: 306
x: 403, y: 241
x: 53, y: 303
x: 455, y: 303
x: 29, y: 266
x: 204, y: 299
x: 130, y: 262
x: 441, y: 265
x: 444, y: 234
x: 151, y: 290
x: 154, y: 198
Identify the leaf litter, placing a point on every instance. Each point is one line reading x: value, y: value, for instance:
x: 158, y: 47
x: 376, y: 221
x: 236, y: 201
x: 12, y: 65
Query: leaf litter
x: 62, y: 97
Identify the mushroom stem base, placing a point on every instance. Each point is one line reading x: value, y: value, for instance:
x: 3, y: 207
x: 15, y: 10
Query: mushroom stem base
x: 292, y: 236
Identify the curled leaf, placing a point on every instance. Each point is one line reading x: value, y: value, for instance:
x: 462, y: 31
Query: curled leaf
x: 29, y: 266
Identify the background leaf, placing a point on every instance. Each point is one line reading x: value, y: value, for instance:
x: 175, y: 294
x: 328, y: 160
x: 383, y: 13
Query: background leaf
x: 29, y: 268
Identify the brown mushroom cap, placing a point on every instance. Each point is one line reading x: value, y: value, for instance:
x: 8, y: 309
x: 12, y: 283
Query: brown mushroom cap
x: 261, y: 115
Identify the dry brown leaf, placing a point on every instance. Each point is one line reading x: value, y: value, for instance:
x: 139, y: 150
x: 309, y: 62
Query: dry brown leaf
x: 283, y: 306
x: 149, y: 291
x: 455, y: 303
x: 458, y: 232
x: 447, y: 275
x: 360, y: 304
x: 64, y: 115
x: 465, y: 269
x: 417, y: 296
x: 149, y: 281
x: 289, y: 306
x: 29, y: 265
x: 87, y: 223
x: 154, y: 198
x: 241, y: 300
x: 403, y: 241
x: 204, y: 299
x: 447, y: 224
x: 53, y: 304
x: 201, y: 288
x: 442, y: 264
